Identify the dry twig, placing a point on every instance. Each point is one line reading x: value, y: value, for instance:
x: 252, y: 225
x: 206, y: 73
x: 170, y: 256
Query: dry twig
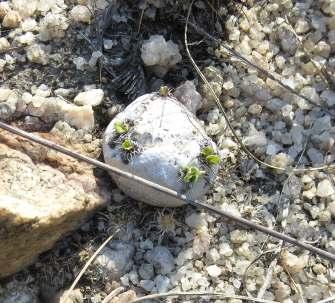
x: 200, y: 294
x: 88, y: 263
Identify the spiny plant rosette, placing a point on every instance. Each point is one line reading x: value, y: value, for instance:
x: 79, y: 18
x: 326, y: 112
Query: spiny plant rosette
x: 121, y: 128
x: 129, y: 148
x: 123, y: 139
x: 209, y: 156
x: 191, y: 174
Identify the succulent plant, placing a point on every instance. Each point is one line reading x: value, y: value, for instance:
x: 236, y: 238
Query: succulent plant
x: 128, y: 145
x: 121, y: 127
x: 191, y: 174
x: 210, y: 156
x: 164, y: 91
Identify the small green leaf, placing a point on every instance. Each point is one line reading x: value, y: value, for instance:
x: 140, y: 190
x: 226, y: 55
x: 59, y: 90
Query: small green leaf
x: 192, y: 174
x: 208, y: 150
x: 127, y: 145
x: 210, y: 156
x: 213, y: 159
x: 121, y: 127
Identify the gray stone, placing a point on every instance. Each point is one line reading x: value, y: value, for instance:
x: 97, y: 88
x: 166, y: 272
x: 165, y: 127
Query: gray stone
x: 162, y: 283
x: 147, y: 285
x: 187, y: 94
x: 325, y: 188
x: 315, y: 156
x: 162, y: 259
x: 146, y: 271
x: 321, y: 124
x: 116, y: 260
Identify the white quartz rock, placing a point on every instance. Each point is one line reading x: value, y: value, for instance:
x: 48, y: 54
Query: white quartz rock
x: 53, y: 26
x: 325, y: 188
x: 92, y: 97
x: 160, y: 54
x: 170, y: 138
x: 36, y: 53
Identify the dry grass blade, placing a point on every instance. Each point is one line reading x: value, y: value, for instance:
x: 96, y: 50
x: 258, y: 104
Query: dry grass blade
x: 244, y: 223
x: 219, y: 105
x: 296, y: 287
x: 113, y: 294
x: 213, y: 295
x: 88, y: 263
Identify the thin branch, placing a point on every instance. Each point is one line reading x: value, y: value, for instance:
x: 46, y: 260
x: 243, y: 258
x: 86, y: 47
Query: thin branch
x: 200, y: 294
x: 244, y: 223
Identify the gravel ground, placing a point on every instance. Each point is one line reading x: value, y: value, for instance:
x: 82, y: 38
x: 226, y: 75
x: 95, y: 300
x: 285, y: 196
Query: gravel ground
x: 158, y: 250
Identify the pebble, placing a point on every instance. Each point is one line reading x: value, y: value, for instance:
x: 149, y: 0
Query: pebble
x: 12, y: 19
x: 328, y: 96
x: 281, y: 160
x: 294, y: 263
x: 197, y: 221
x: 162, y: 283
x: 81, y: 13
x: 160, y: 54
x: 4, y: 45
x: 325, y: 188
x: 146, y: 271
x: 147, y: 285
x: 213, y: 271
x: 81, y: 117
x: 255, y: 109
x: 187, y: 94
x: 92, y: 97
x: 116, y: 260
x: 162, y: 259
x: 4, y: 93
x: 80, y: 63
x: 36, y: 53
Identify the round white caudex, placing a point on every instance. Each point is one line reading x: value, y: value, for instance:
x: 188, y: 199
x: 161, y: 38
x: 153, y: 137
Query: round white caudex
x: 169, y: 138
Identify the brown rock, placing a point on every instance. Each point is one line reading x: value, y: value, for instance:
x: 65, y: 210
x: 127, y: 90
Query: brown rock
x: 43, y: 196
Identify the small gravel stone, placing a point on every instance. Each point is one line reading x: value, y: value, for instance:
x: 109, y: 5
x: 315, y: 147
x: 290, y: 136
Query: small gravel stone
x: 294, y: 263
x: 81, y: 13
x: 4, y: 45
x: 146, y: 271
x: 197, y: 220
x: 92, y: 97
x: 187, y: 94
x: 147, y: 285
x: 12, y: 19
x: 214, y: 271
x: 36, y: 53
x: 161, y: 258
x: 325, y: 188
x: 116, y: 260
x: 162, y: 283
